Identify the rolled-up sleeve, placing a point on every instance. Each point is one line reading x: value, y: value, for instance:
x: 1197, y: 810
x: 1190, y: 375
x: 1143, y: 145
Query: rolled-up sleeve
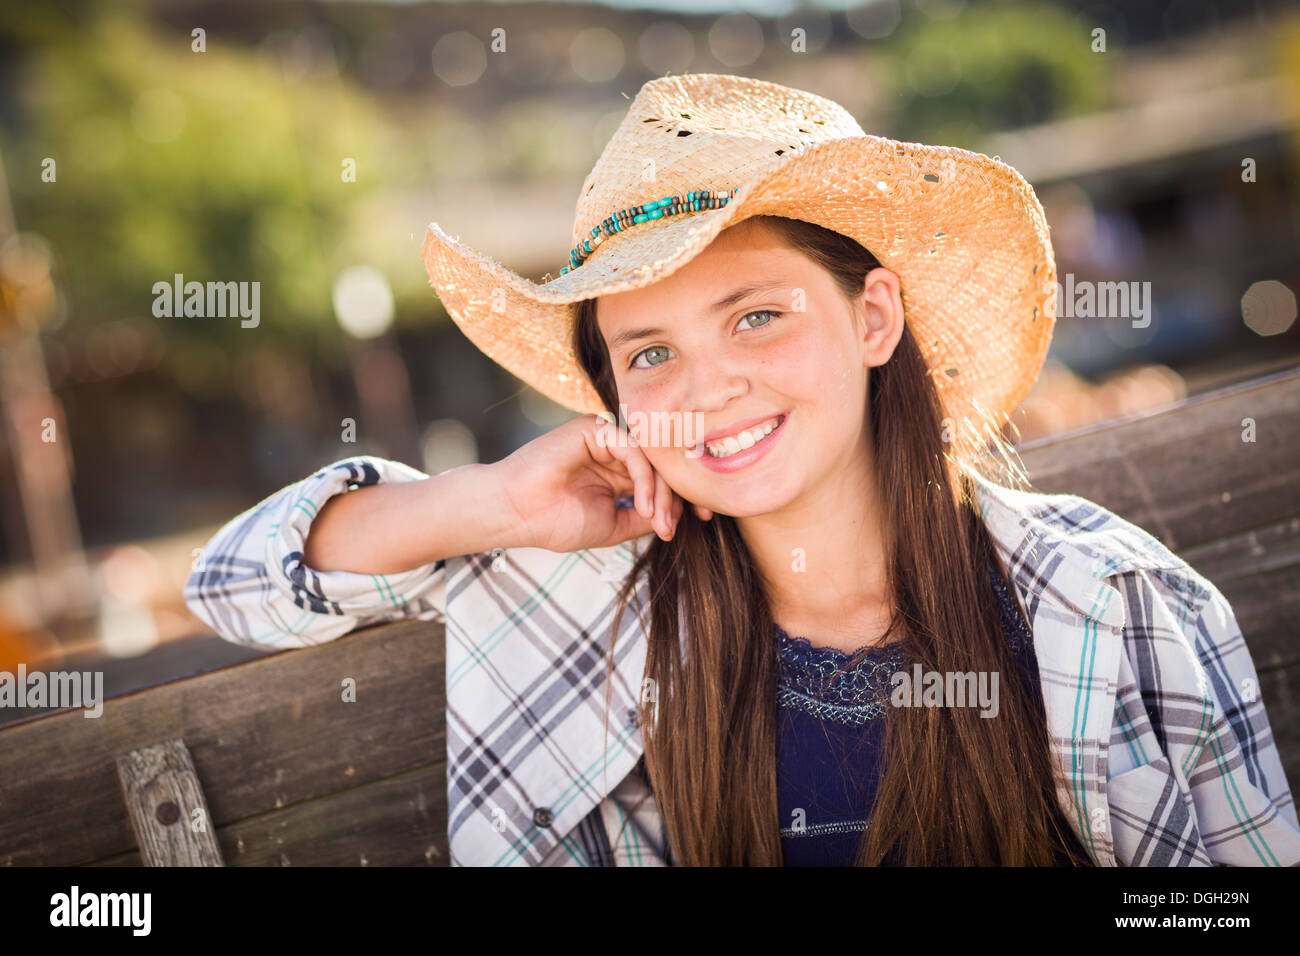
x: 250, y: 585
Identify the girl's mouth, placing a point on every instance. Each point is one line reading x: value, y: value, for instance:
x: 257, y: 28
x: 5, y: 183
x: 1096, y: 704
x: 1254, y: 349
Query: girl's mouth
x: 731, y: 454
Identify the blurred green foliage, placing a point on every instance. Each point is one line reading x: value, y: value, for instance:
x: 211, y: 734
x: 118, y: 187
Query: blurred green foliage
x: 219, y: 165
x: 993, y: 67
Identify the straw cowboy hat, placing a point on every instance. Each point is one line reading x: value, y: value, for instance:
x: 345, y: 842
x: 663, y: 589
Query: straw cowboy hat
x: 699, y: 152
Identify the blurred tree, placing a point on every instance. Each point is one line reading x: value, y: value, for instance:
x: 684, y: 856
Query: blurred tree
x: 223, y: 165
x: 993, y: 67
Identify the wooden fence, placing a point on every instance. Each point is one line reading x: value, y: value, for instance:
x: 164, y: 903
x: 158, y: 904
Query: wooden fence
x: 279, y: 771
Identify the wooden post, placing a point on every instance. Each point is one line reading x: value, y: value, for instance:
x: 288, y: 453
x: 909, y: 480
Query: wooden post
x: 167, y: 808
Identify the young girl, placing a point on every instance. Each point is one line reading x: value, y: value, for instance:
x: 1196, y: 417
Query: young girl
x: 827, y: 630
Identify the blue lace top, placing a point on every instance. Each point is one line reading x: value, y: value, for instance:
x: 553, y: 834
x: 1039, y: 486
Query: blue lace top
x: 829, y: 735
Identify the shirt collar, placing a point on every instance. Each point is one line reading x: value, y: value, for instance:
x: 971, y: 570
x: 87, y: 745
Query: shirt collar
x: 1081, y: 542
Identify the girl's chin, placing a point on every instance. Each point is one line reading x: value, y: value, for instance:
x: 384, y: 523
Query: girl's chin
x: 746, y: 500
x: 740, y: 514
x: 746, y: 505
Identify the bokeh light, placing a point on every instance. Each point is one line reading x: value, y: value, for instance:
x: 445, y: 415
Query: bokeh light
x: 596, y: 55
x: 459, y: 58
x: 874, y: 21
x: 736, y: 39
x: 1268, y: 308
x: 363, y: 302
x: 446, y: 444
x: 666, y: 47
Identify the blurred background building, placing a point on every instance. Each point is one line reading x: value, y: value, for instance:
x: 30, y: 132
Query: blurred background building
x: 306, y: 145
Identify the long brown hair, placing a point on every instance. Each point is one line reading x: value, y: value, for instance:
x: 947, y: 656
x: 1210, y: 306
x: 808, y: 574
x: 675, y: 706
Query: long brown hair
x: 957, y: 788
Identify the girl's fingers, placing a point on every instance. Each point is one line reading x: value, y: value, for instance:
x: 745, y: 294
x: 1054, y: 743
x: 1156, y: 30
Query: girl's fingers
x: 651, y: 488
x: 629, y: 524
x: 656, y: 502
x: 638, y: 468
x: 645, y: 478
x: 663, y: 507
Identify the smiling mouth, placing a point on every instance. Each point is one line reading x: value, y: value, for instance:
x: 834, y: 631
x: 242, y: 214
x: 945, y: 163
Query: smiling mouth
x: 735, y: 444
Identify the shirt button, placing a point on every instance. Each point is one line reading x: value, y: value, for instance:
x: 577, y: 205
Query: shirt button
x: 542, y: 817
x: 633, y: 718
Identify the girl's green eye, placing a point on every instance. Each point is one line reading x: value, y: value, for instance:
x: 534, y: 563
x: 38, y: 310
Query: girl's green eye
x: 653, y: 348
x: 768, y: 312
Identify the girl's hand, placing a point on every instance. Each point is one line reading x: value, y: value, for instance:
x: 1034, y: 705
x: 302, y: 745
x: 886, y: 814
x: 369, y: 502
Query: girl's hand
x: 562, y: 488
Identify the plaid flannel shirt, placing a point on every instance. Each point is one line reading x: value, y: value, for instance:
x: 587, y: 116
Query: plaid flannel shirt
x: 1151, y: 694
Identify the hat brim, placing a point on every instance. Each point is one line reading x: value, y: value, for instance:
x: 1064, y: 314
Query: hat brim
x: 965, y: 234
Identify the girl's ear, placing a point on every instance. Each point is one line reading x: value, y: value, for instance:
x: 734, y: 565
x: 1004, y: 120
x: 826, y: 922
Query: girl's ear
x: 881, y: 304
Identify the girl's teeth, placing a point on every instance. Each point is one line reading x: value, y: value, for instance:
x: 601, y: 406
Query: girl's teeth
x: 746, y: 439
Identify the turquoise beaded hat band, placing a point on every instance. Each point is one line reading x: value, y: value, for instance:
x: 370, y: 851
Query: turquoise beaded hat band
x: 692, y: 201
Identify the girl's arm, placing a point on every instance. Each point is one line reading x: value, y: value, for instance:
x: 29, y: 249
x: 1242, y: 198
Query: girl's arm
x: 381, y: 550
x: 393, y: 527
x: 318, y: 559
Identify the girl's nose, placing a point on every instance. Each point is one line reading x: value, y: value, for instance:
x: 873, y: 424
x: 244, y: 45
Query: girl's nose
x: 712, y: 382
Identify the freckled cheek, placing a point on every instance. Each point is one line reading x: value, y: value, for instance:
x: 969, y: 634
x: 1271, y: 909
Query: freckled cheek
x: 801, y: 370
x: 645, y: 399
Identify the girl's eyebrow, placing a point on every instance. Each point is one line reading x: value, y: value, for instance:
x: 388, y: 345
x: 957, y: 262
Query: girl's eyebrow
x: 736, y: 295
x: 745, y: 291
x: 631, y: 335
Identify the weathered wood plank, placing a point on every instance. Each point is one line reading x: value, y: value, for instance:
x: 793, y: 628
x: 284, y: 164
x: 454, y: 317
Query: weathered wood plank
x: 166, y: 807
x: 1184, y: 474
x: 1279, y: 689
x: 1248, y: 553
x: 399, y: 821
x: 273, y: 731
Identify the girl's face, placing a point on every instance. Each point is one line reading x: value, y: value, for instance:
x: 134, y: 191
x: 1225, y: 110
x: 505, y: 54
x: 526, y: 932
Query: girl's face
x: 746, y: 335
